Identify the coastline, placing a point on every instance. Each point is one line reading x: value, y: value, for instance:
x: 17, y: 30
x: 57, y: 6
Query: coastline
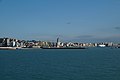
x: 20, y: 48
x: 9, y: 48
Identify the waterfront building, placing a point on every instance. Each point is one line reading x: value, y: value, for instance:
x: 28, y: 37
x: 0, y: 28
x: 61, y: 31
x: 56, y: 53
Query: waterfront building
x: 4, y: 42
x: 10, y: 42
x: 110, y: 44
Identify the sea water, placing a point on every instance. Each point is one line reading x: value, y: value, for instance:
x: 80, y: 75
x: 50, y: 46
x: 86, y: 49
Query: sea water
x: 53, y: 64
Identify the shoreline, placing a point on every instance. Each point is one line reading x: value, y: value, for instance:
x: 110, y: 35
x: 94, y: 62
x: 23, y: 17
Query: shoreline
x: 7, y: 48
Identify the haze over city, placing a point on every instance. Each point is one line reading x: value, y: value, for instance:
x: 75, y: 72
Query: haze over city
x: 71, y: 20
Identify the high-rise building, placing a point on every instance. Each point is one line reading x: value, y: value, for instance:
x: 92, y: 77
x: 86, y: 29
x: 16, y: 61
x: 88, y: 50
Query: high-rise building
x: 58, y: 43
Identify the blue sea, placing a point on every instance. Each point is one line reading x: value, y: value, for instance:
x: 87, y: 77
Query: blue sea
x: 53, y: 64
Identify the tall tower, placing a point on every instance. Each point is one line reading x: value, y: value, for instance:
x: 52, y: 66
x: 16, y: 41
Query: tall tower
x: 57, y: 40
x: 58, y: 43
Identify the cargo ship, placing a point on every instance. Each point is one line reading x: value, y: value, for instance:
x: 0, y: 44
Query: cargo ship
x: 63, y: 48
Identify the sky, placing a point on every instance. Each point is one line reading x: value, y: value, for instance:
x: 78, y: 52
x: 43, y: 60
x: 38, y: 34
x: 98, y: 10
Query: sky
x: 70, y: 20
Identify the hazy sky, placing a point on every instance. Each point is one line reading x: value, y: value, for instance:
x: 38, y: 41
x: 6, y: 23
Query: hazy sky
x: 71, y: 20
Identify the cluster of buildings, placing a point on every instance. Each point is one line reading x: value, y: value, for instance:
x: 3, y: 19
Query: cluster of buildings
x: 10, y: 42
x: 103, y: 44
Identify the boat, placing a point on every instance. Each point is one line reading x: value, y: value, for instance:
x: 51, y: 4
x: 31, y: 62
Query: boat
x: 102, y: 45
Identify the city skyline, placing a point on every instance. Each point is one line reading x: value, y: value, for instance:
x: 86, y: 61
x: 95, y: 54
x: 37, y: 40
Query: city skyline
x: 73, y: 20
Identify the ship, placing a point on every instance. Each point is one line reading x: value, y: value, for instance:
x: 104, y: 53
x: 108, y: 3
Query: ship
x: 63, y: 48
x: 102, y: 45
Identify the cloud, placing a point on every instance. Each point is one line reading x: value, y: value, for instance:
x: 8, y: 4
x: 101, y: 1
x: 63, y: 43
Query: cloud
x: 68, y: 23
x: 110, y: 38
x: 84, y: 36
x: 72, y: 38
x: 117, y: 28
x: 95, y: 38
